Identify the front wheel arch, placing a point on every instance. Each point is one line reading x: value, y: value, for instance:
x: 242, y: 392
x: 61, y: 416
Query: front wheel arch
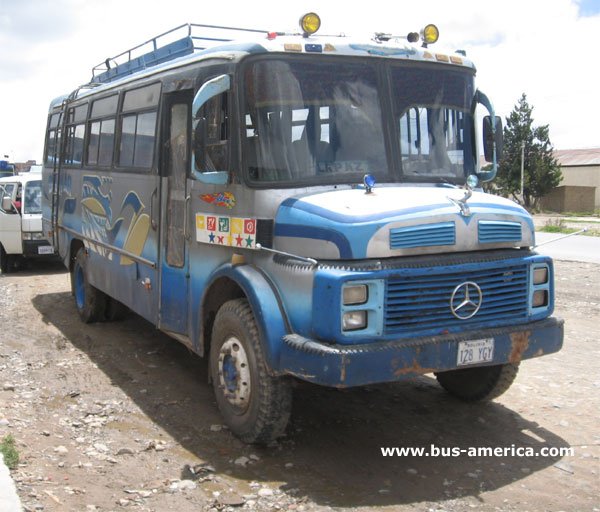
x: 246, y: 281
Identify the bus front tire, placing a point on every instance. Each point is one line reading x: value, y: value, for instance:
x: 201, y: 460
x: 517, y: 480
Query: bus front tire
x: 477, y: 384
x: 90, y: 302
x: 255, y: 405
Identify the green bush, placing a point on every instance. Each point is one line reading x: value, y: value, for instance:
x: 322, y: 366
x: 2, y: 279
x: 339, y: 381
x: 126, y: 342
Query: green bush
x: 10, y: 453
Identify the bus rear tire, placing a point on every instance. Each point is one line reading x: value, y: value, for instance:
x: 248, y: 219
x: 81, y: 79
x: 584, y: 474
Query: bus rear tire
x: 90, y: 302
x: 255, y: 405
x: 478, y: 384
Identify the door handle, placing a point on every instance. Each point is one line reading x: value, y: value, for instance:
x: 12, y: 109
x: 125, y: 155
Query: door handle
x: 152, y: 198
x: 186, y: 235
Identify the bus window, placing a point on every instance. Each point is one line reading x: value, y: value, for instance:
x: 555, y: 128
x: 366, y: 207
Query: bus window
x: 53, y: 139
x: 138, y: 132
x: 138, y: 127
x: 176, y: 158
x: 75, y: 133
x: 75, y: 136
x: 102, y: 131
x: 100, y: 145
x: 212, y: 140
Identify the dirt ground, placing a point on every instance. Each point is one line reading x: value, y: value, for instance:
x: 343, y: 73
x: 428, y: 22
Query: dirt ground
x: 116, y: 416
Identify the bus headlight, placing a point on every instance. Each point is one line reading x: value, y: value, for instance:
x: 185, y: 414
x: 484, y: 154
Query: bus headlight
x: 540, y: 299
x: 354, y: 320
x: 355, y: 294
x: 540, y: 289
x: 361, y: 304
x: 540, y: 275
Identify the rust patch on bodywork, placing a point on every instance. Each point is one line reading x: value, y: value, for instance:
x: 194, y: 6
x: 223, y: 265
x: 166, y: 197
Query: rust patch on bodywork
x: 415, y: 368
x: 343, y: 372
x: 519, y: 342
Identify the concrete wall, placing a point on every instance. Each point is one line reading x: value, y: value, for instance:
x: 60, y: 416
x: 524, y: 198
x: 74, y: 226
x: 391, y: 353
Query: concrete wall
x: 571, y: 199
x: 583, y: 176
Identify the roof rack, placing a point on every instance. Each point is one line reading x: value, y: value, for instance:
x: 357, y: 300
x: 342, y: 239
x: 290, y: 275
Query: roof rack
x: 133, y: 60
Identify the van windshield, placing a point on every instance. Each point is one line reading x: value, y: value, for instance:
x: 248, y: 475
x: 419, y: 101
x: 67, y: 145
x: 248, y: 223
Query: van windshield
x: 316, y: 121
x: 33, y: 197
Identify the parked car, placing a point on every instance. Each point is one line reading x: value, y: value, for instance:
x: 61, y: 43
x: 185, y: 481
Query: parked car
x: 21, y: 221
x: 6, y: 169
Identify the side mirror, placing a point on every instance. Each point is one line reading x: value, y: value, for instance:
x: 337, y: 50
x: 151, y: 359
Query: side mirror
x: 492, y: 136
x: 7, y: 204
x: 210, y: 89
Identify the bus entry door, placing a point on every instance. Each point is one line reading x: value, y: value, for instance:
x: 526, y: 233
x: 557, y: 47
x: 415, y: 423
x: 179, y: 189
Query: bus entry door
x: 174, y: 283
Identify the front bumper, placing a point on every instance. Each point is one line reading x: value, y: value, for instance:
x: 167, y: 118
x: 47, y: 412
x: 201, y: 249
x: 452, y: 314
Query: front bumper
x: 38, y: 249
x: 356, y: 365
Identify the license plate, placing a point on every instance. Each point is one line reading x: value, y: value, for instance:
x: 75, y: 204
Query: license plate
x: 45, y: 249
x: 475, y: 351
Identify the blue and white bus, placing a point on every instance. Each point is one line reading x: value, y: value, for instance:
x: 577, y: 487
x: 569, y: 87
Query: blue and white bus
x: 295, y: 206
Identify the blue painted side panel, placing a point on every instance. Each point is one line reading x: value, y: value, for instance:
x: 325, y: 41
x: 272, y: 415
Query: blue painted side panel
x: 103, y: 210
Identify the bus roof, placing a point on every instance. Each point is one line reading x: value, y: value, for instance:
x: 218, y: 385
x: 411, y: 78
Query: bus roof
x: 129, y: 66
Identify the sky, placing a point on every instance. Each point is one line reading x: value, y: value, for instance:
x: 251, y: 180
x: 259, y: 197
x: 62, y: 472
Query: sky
x: 547, y: 49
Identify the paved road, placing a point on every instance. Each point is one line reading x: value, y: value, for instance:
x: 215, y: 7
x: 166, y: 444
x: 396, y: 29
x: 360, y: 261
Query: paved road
x: 574, y: 248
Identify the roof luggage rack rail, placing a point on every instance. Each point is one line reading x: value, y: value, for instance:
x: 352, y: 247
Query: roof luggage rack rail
x: 133, y: 60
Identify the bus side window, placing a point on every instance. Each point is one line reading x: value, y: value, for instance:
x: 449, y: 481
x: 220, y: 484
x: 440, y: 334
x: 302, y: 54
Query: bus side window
x: 211, y: 141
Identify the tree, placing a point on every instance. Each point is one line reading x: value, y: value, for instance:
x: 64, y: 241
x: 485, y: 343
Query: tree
x: 541, y: 170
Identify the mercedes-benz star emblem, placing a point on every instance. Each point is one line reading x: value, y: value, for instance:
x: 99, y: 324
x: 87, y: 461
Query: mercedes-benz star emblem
x: 466, y: 300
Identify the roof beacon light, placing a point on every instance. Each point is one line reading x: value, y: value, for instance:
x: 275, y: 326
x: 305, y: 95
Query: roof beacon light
x: 430, y: 34
x: 310, y: 23
x: 369, y: 183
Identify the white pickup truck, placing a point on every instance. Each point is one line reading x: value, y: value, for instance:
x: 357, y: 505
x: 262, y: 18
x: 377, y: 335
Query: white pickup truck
x: 21, y: 221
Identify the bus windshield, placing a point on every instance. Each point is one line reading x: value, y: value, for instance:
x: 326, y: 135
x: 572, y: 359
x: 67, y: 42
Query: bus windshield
x: 322, y: 121
x: 432, y: 112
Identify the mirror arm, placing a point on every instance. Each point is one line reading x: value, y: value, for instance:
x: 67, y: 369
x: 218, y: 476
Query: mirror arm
x: 482, y: 99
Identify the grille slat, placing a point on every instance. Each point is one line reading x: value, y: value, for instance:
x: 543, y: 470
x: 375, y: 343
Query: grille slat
x: 493, y: 231
x: 412, y: 295
x: 427, y: 235
x: 436, y: 280
x: 417, y: 303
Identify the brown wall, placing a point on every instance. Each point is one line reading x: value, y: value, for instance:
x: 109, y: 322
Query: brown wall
x: 570, y: 199
x: 582, y: 176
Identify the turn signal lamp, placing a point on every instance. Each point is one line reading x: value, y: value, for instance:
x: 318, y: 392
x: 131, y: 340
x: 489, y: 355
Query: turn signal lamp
x: 310, y: 23
x: 430, y: 34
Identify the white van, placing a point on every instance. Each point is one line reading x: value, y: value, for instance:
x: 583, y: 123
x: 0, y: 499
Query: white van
x: 21, y: 221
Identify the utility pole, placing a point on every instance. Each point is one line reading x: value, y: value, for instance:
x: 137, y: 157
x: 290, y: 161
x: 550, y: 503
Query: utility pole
x: 522, y: 171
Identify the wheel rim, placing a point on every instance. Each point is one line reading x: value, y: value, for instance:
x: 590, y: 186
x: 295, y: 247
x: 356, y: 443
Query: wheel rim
x: 234, y: 374
x: 79, y: 287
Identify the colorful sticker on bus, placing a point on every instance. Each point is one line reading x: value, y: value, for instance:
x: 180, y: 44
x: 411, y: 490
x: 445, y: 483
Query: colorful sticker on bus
x: 228, y: 231
x: 223, y: 199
